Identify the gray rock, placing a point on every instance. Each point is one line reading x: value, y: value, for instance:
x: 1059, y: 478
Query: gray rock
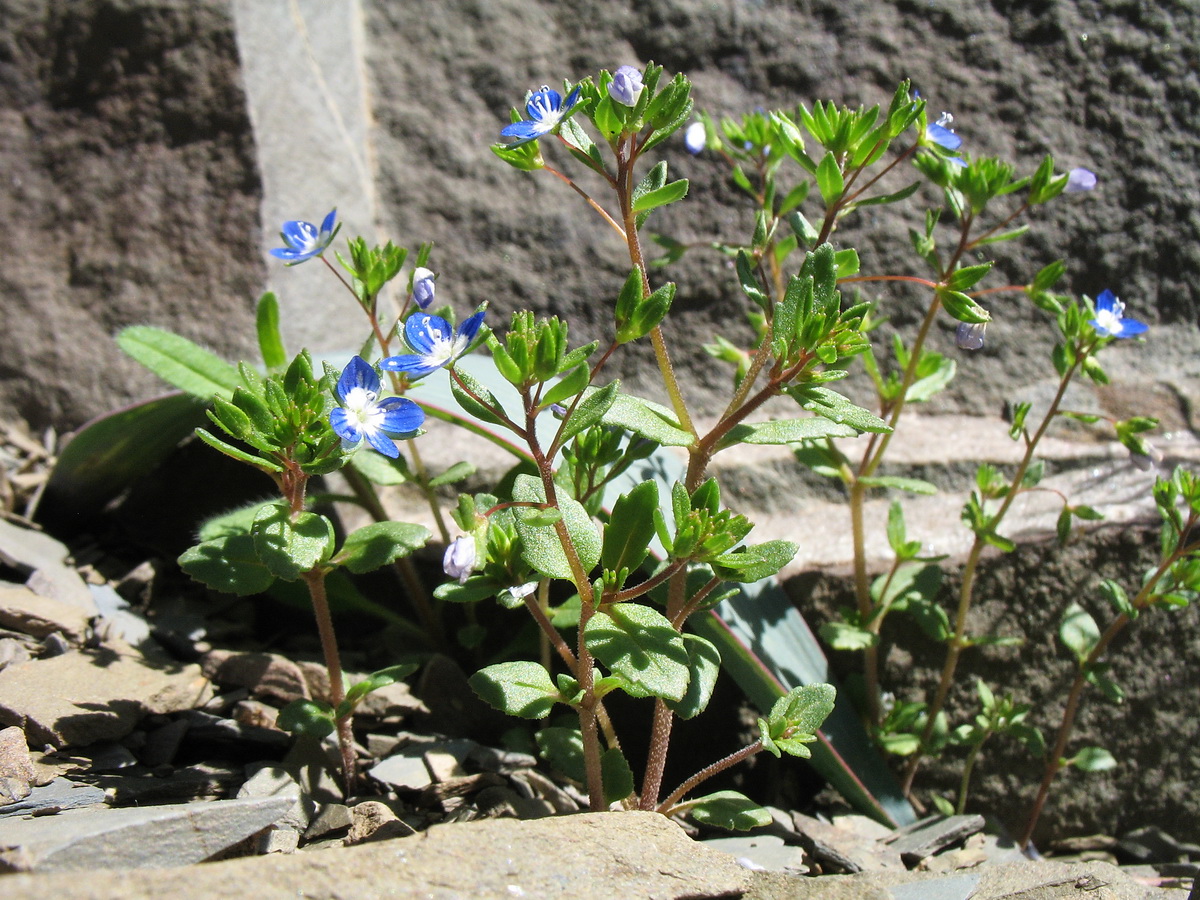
x: 405, y: 769
x: 263, y: 674
x: 17, y: 772
x: 374, y: 821
x: 59, y: 794
x: 41, y: 558
x: 761, y: 852
x: 24, y: 611
x: 330, y: 817
x: 119, y: 618
x: 952, y: 887
x: 150, y: 837
x: 271, y: 780
x: 929, y: 836
x: 87, y: 696
x: 163, y: 743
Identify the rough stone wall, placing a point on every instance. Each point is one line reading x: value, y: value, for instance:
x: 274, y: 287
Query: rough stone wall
x: 129, y: 196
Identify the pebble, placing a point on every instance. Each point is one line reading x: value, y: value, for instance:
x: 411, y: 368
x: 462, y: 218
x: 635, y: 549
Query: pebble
x: 17, y: 771
x: 59, y: 794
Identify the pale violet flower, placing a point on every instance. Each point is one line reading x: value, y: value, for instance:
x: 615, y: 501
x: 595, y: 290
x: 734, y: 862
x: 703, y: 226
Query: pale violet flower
x: 695, y: 138
x: 304, y: 240
x: 546, y: 109
x: 626, y: 86
x: 459, y: 558
x: 1079, y: 180
x: 363, y: 415
x: 423, y: 287
x: 1110, y: 318
x: 434, y: 342
x: 969, y: 335
x: 943, y: 135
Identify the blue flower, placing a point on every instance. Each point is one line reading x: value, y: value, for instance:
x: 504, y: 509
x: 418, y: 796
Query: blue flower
x: 304, y: 241
x: 695, y: 138
x: 1079, y: 180
x: 626, y: 86
x: 1110, y: 318
x: 459, y: 558
x: 943, y: 135
x: 546, y: 112
x: 363, y: 415
x: 423, y: 289
x: 435, y: 342
x: 969, y: 335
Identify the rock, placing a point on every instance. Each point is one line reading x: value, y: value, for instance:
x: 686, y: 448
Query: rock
x: 330, y: 817
x: 204, y: 726
x: 58, y: 795
x: 761, y: 852
x: 14, y: 650
x: 162, y: 743
x: 263, y: 674
x: 87, y: 696
x: 40, y: 558
x: 118, y: 618
x: 109, y: 756
x: 271, y: 780
x: 374, y: 821
x: 844, y: 849
x: 17, y: 772
x: 929, y: 836
x: 405, y: 769
x: 24, y: 611
x: 149, y: 837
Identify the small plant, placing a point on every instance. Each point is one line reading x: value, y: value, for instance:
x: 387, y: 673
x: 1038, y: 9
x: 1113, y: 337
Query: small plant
x: 614, y: 564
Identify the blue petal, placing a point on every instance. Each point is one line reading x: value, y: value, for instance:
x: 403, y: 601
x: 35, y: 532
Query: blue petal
x: 299, y: 235
x: 285, y: 253
x: 572, y: 99
x: 470, y: 327
x: 943, y: 136
x: 415, y: 366
x: 519, y: 133
x: 358, y: 373
x: 547, y: 99
x: 401, y: 416
x: 344, y: 426
x: 383, y: 444
x: 420, y: 329
x: 1105, y: 300
x: 1131, y: 328
x: 327, y: 226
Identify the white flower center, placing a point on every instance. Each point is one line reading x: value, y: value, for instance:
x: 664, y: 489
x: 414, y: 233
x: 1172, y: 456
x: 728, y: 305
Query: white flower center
x: 362, y: 406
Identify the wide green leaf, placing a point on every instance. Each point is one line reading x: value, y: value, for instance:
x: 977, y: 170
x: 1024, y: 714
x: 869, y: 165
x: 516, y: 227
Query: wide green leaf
x: 639, y: 644
x: 520, y: 688
x: 704, y: 664
x: 180, y: 362
x: 630, y: 528
x: 307, y: 717
x: 380, y: 544
x: 289, y: 546
x: 542, y: 548
x: 728, y: 809
x: 755, y: 562
x: 229, y: 564
x: 1079, y: 631
x: 912, y: 485
x: 837, y: 408
x: 270, y: 343
x: 648, y: 420
x: 786, y: 431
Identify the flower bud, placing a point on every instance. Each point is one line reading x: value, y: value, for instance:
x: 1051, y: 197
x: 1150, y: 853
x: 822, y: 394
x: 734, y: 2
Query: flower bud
x: 459, y: 558
x: 423, y: 289
x: 1079, y: 180
x: 626, y: 86
x: 969, y: 335
x: 695, y: 138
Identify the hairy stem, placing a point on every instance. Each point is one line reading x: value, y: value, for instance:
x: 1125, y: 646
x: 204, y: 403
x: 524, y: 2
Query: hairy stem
x: 315, y: 580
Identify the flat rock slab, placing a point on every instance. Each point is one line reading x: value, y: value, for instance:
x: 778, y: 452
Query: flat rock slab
x: 601, y: 855
x: 24, y: 611
x: 135, y: 838
x: 82, y: 697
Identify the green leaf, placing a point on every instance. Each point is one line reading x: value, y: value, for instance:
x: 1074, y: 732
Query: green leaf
x: 180, y: 362
x: 270, y: 344
x: 615, y: 775
x: 481, y: 408
x: 307, y: 717
x: 962, y: 307
x: 457, y: 472
x: 562, y: 748
x: 630, y: 528
x: 229, y: 564
x: 967, y: 277
x: 381, y: 543
x: 837, y: 408
x: 786, y: 431
x: 728, y: 809
x: 639, y: 644
x: 373, y: 682
x: 288, y: 546
x: 1116, y: 596
x: 1079, y: 631
x: 648, y: 420
x: 829, y: 179
x: 668, y: 193
x: 753, y: 563
x: 542, y: 548
x: 379, y: 469
x: 591, y: 409
x: 520, y: 688
x: 1093, y: 759
x: 802, y: 710
x: 912, y: 485
x: 704, y: 664
x: 844, y: 636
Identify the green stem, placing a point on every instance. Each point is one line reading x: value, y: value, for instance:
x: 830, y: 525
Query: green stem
x: 315, y: 580
x: 958, y: 641
x: 964, y: 783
